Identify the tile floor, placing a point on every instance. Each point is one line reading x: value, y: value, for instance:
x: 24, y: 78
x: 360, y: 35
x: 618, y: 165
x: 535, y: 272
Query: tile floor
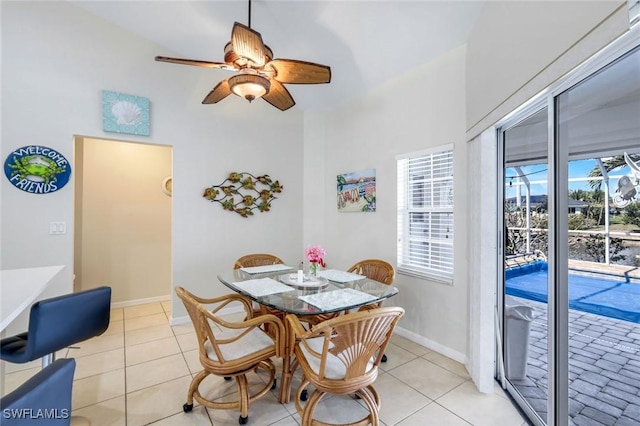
x: 138, y: 373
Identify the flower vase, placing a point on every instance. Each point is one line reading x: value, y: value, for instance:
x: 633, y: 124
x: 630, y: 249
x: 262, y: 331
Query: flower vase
x: 313, y: 270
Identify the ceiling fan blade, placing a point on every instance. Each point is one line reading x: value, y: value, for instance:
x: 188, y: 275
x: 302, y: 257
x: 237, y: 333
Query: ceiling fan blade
x: 279, y: 96
x: 299, y: 72
x: 194, y: 62
x: 221, y: 91
x: 248, y: 44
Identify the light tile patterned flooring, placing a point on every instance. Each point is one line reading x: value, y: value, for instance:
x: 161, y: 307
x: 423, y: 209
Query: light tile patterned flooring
x: 138, y: 373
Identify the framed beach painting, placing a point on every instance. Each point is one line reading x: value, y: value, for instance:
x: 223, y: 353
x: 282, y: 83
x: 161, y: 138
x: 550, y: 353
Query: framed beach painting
x: 357, y: 191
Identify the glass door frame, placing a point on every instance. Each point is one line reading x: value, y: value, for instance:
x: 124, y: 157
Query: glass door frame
x: 558, y: 160
x: 532, y: 107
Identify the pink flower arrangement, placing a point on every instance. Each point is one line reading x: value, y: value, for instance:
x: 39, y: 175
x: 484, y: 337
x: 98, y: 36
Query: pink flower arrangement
x: 316, y: 255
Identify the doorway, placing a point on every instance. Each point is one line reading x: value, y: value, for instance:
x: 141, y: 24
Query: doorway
x: 123, y: 216
x: 571, y: 217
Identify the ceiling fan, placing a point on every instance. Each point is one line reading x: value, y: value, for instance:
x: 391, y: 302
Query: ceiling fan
x: 258, y: 74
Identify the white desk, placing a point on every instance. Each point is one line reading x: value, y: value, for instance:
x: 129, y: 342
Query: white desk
x: 20, y: 287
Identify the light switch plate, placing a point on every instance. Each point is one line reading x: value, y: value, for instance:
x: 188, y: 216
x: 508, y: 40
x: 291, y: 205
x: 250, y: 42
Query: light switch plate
x: 57, y: 228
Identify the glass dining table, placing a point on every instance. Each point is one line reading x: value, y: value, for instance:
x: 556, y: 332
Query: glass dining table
x: 280, y: 288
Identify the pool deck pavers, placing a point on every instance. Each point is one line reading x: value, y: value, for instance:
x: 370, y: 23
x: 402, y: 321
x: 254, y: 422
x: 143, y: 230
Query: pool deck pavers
x: 604, y: 368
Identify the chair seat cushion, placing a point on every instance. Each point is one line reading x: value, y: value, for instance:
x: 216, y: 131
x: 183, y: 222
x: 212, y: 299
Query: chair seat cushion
x: 254, y: 341
x: 14, y: 348
x: 334, y: 369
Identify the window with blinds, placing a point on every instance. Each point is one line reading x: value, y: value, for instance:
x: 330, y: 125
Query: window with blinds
x: 425, y: 213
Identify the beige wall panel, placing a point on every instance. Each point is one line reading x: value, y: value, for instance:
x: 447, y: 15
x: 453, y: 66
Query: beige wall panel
x: 126, y: 219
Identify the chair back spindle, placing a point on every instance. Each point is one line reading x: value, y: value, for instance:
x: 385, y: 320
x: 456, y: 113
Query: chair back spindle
x: 341, y: 356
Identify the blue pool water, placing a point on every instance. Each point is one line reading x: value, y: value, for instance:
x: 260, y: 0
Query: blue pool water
x: 614, y: 299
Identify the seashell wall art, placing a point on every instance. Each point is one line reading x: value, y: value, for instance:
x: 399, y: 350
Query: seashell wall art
x: 122, y: 113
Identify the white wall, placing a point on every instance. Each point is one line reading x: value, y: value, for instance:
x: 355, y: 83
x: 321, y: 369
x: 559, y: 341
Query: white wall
x: 482, y: 252
x: 418, y: 110
x: 517, y: 48
x: 314, y: 196
x: 56, y: 60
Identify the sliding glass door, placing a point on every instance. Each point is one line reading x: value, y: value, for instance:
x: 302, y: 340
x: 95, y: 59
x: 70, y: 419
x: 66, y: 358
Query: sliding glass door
x: 526, y: 248
x: 570, y: 297
x: 599, y: 123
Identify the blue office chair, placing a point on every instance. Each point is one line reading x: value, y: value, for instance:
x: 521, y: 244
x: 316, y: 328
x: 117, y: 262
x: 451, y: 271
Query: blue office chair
x: 57, y: 323
x: 44, y: 399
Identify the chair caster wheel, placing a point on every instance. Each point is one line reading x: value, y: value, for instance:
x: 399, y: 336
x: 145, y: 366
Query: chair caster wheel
x: 227, y: 378
x: 187, y: 407
x: 304, y: 395
x: 243, y: 420
x: 275, y: 383
x: 384, y: 358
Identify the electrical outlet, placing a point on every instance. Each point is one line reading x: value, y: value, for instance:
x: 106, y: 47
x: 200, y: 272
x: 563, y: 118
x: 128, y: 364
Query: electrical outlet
x: 57, y: 228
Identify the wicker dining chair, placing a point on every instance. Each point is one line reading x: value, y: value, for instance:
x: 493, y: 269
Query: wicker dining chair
x: 378, y: 270
x: 375, y: 269
x: 341, y: 356
x: 260, y: 259
x: 257, y: 259
x: 241, y: 347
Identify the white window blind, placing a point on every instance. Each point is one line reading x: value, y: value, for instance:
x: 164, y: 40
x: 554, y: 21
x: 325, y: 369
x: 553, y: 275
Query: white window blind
x: 425, y: 214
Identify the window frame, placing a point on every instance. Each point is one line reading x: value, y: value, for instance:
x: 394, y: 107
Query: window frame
x: 436, y: 265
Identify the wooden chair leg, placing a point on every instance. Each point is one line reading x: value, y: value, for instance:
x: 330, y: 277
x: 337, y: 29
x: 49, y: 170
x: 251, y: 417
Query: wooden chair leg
x: 370, y: 397
x: 193, y: 388
x: 243, y: 394
x: 310, y: 407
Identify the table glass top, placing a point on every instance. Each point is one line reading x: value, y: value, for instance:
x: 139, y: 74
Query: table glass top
x: 283, y: 291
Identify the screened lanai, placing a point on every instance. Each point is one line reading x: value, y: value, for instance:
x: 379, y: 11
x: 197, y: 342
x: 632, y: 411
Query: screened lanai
x: 571, y: 245
x: 602, y: 229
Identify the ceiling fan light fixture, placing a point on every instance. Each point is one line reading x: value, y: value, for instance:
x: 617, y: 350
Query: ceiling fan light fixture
x: 259, y: 75
x: 249, y: 86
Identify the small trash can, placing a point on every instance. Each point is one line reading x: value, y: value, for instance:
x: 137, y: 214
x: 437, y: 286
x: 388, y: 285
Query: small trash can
x: 518, y: 319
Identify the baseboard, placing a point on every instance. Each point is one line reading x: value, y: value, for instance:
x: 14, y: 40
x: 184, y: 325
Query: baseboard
x: 140, y: 301
x: 410, y: 335
x: 179, y: 320
x: 430, y: 344
x: 185, y: 319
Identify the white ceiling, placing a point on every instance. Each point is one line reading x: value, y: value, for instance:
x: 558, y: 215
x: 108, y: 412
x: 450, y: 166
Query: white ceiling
x: 364, y: 42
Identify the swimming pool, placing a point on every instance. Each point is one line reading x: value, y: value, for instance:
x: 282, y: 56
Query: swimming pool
x: 600, y: 296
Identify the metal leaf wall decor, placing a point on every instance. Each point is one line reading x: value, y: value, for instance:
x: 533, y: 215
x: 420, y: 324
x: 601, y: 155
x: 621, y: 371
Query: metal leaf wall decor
x: 243, y: 192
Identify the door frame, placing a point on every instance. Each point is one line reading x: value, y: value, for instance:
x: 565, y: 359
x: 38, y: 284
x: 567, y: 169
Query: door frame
x: 558, y: 337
